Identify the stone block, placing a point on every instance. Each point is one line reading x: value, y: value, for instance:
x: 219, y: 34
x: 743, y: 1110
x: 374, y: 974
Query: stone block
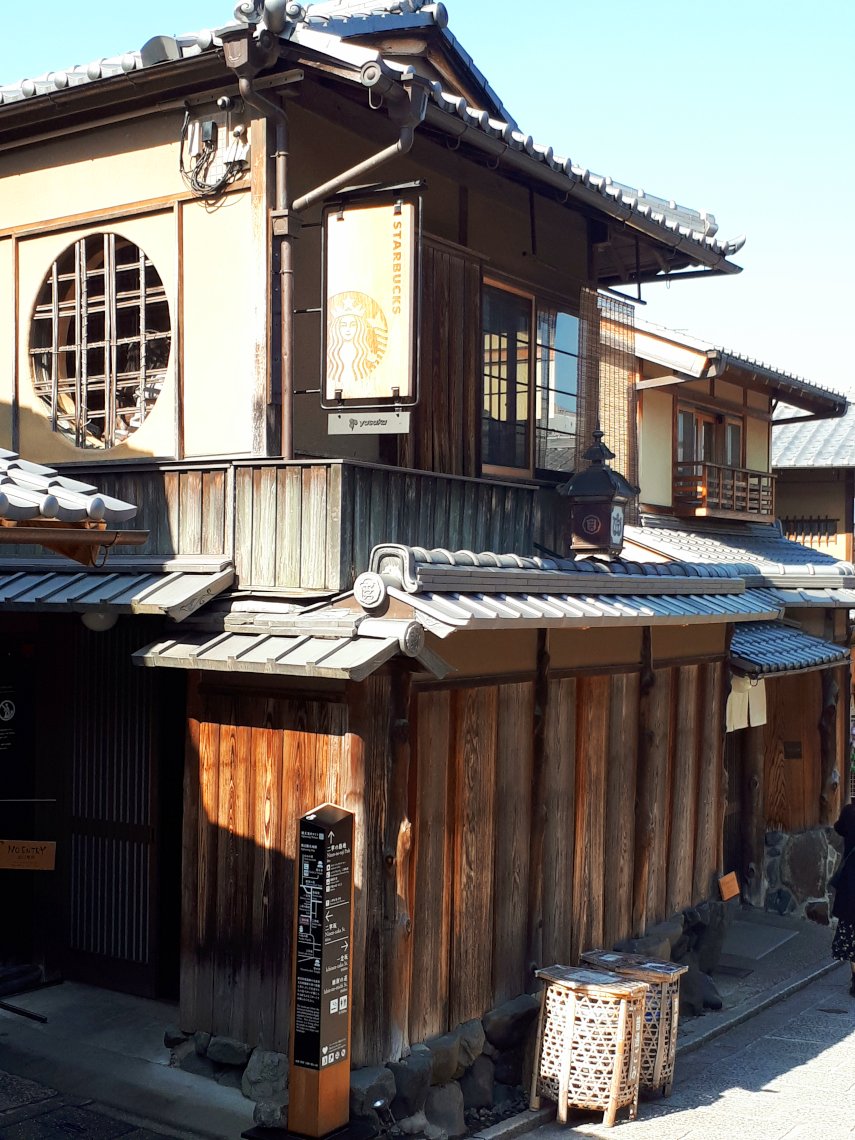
x: 817, y: 911
x: 507, y: 1024
x: 780, y: 902
x: 271, y: 1114
x: 198, y: 1066
x: 444, y: 1109
x: 231, y: 1076
x: 412, y: 1080
x: 671, y: 928
x: 649, y: 945
x: 445, y: 1051
x: 228, y: 1051
x: 368, y: 1087
x: 509, y: 1066
x: 803, y: 864
x: 709, y: 990
x: 472, y: 1039
x: 174, y: 1036
x: 414, y: 1125
x: 692, y: 993
x: 265, y: 1076
x: 201, y: 1041
x: 476, y: 1084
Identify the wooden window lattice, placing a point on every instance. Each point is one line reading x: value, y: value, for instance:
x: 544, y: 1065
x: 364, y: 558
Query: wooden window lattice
x: 100, y: 340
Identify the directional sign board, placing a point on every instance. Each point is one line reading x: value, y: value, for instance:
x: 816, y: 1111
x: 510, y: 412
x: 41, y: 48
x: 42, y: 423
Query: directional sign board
x: 320, y: 1045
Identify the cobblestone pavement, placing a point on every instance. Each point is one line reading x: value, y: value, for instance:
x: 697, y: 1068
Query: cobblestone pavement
x: 29, y: 1111
x: 787, y: 1073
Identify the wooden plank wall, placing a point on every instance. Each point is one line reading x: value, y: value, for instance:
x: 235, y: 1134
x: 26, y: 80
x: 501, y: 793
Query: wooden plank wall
x: 254, y: 765
x: 547, y: 817
x: 311, y: 526
x: 791, y: 744
x: 528, y: 853
x: 446, y: 424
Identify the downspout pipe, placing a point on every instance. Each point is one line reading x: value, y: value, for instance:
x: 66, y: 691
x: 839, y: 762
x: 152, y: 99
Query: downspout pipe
x: 407, y: 107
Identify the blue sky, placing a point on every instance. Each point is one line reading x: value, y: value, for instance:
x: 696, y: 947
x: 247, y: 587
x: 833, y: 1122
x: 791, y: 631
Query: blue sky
x: 744, y: 109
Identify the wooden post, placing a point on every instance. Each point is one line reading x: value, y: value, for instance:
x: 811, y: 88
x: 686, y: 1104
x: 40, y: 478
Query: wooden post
x: 830, y: 762
x: 397, y: 845
x: 754, y: 820
x: 538, y: 810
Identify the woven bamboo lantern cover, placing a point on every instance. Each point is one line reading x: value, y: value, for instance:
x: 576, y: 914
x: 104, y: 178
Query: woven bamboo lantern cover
x: 589, y: 1041
x: 661, y: 1014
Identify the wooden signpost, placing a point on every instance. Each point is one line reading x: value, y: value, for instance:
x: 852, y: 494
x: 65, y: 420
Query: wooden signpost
x: 320, y: 1020
x: 319, y: 1084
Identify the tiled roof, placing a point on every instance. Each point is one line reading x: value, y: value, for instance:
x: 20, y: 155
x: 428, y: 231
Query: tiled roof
x: 757, y: 552
x: 815, y: 444
x: 417, y: 569
x: 172, y: 591
x: 329, y: 29
x: 31, y: 491
x: 444, y: 613
x: 771, y: 647
x: 664, y: 346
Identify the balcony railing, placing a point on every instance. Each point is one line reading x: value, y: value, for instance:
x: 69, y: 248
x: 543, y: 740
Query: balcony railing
x: 702, y: 488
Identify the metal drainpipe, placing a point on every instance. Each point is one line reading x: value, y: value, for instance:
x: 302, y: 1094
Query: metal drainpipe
x: 286, y: 259
x: 407, y: 107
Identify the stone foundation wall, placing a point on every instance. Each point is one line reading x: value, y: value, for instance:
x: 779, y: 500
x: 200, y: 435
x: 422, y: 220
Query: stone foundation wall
x: 796, y: 871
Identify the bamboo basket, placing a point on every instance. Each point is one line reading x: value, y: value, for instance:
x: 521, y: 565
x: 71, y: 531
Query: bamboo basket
x: 588, y: 1042
x: 661, y: 1012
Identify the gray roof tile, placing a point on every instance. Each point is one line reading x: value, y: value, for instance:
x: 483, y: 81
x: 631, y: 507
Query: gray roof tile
x: 815, y: 444
x: 330, y: 28
x: 765, y: 647
x: 31, y: 491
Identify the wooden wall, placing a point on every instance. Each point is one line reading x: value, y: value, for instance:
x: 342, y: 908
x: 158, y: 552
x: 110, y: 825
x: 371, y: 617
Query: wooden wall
x: 501, y: 826
x: 311, y: 526
x: 791, y: 750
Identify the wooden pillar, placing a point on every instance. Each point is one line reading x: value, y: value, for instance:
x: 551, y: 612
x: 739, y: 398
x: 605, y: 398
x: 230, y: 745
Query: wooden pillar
x: 397, y: 908
x: 831, y: 763
x: 654, y: 739
x: 538, y: 810
x: 754, y: 818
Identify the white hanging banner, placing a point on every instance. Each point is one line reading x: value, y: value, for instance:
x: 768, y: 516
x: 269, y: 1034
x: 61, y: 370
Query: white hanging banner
x: 370, y: 304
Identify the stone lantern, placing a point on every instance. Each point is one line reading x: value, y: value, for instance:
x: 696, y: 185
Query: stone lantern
x: 597, y: 499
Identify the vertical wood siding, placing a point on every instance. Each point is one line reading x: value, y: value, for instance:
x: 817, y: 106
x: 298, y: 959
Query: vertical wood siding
x: 527, y: 848
x: 311, y: 526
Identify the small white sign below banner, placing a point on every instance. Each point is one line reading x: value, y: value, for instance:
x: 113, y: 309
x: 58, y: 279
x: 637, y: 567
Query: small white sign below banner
x: 369, y: 423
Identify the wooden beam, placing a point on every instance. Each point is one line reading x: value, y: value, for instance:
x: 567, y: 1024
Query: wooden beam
x: 754, y: 817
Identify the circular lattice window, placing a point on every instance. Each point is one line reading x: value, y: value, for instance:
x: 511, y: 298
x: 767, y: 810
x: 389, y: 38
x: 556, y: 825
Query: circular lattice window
x: 100, y: 340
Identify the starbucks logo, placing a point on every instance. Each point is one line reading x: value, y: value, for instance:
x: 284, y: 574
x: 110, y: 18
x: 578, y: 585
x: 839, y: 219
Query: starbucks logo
x: 7, y: 710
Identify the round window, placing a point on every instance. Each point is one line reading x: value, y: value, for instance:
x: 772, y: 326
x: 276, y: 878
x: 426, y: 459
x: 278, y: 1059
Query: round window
x: 100, y: 340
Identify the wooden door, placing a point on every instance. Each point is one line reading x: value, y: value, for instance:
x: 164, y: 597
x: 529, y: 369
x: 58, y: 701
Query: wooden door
x: 112, y: 848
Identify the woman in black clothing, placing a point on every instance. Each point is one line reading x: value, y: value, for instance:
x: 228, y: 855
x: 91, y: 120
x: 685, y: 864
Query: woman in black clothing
x: 843, y: 947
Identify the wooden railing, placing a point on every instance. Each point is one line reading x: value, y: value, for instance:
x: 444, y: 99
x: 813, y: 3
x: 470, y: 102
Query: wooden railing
x: 710, y: 489
x: 310, y: 525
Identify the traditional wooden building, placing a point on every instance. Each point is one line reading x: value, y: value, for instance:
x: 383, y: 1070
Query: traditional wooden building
x: 711, y: 497
x: 321, y: 390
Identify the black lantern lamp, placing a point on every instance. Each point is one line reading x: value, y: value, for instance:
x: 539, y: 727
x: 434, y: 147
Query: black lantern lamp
x: 597, y: 500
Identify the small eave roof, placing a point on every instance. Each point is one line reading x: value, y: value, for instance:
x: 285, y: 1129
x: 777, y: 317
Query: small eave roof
x: 758, y: 552
x: 759, y: 649
x: 691, y: 358
x: 689, y: 236
x: 796, y: 445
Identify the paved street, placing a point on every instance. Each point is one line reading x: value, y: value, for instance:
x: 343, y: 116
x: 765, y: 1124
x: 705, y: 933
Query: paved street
x: 29, y: 1111
x: 787, y: 1073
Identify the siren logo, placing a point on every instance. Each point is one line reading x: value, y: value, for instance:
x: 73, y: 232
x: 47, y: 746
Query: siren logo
x: 357, y: 335
x: 7, y: 710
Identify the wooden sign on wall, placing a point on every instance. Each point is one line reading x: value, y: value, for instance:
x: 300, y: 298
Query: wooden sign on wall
x: 27, y: 855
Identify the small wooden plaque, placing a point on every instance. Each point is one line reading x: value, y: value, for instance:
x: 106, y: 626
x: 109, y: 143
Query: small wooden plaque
x: 27, y: 855
x: 728, y: 885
